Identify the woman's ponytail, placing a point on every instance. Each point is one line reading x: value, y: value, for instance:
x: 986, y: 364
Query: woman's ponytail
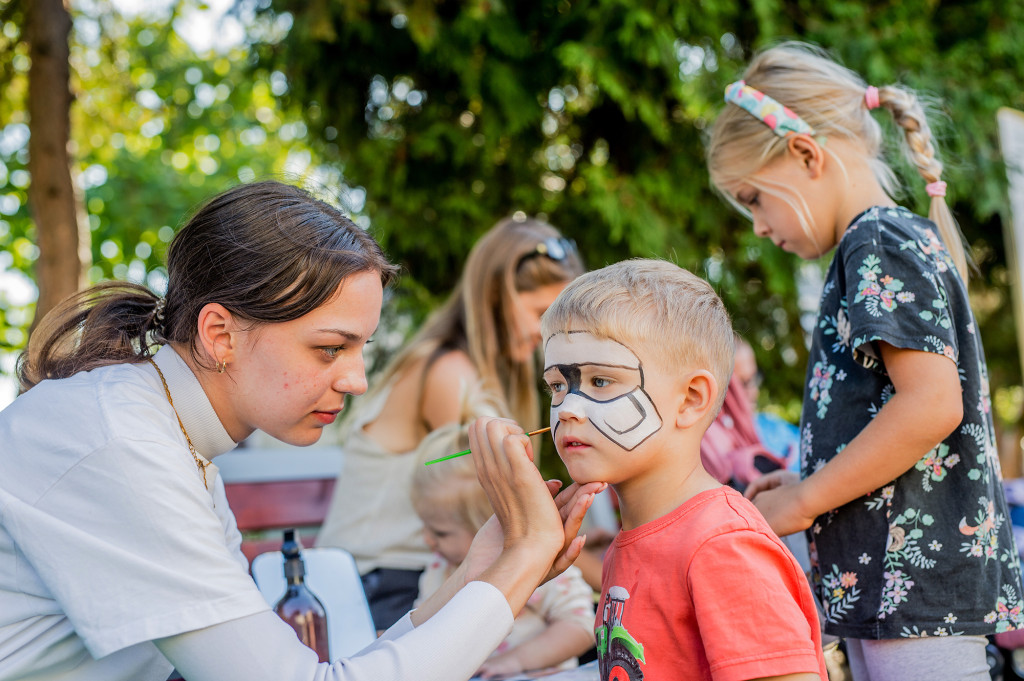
x: 110, y: 323
x: 908, y: 113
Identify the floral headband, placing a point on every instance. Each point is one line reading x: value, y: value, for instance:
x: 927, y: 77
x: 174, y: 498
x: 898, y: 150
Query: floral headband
x: 779, y: 118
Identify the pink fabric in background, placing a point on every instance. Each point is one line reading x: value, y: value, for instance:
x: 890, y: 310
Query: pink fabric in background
x: 731, y: 443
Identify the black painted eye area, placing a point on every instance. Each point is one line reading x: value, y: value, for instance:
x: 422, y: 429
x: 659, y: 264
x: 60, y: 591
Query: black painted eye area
x: 594, y: 382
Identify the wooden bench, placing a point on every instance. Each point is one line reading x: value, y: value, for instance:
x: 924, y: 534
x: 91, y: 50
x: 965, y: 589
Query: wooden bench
x: 271, y: 489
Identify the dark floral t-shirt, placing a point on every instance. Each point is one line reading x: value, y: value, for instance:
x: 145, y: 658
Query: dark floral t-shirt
x: 931, y: 553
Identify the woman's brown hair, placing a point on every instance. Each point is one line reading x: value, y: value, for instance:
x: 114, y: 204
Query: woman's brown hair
x: 267, y: 251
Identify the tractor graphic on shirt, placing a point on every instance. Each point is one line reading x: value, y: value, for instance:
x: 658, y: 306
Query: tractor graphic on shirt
x: 617, y: 651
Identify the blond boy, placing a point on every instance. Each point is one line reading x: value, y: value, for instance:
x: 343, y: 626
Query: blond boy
x: 637, y: 357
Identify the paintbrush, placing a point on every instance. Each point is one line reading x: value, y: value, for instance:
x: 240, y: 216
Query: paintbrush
x: 458, y: 454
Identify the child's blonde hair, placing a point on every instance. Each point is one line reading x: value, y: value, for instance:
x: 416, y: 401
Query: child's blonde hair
x: 831, y: 99
x: 654, y: 304
x: 451, y: 484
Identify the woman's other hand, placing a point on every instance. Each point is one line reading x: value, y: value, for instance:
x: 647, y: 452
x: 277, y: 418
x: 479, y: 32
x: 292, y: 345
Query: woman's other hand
x: 573, y: 503
x: 501, y: 666
x: 521, y: 500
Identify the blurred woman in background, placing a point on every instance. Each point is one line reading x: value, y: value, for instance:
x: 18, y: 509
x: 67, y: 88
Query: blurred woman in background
x: 479, y: 345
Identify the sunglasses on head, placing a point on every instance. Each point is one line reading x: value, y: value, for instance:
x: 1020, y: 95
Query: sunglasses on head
x: 556, y: 248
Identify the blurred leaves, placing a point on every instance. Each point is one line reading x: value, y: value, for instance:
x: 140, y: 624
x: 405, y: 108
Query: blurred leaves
x: 436, y: 118
x: 156, y: 129
x: 593, y: 113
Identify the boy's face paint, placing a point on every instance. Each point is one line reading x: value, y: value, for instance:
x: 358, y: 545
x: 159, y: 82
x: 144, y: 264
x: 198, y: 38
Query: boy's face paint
x: 602, y: 381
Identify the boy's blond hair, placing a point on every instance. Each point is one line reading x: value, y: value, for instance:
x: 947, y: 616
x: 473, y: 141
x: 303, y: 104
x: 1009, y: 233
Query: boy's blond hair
x: 654, y: 306
x: 452, y: 484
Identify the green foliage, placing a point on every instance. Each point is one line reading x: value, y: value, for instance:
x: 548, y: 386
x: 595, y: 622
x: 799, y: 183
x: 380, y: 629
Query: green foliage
x: 15, y: 249
x: 592, y: 113
x: 446, y: 116
x: 156, y: 130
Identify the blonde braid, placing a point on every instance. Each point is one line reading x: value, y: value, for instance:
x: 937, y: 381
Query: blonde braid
x: 908, y: 113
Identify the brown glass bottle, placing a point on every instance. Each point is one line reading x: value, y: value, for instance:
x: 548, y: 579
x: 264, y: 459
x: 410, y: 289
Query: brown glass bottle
x: 299, y: 607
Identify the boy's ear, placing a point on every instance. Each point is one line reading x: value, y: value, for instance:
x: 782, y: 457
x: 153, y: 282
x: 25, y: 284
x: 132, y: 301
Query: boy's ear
x: 807, y: 150
x: 699, y: 394
x: 216, y: 335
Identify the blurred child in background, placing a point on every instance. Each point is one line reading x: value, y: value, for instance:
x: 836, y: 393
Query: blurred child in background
x: 555, y: 627
x: 781, y: 437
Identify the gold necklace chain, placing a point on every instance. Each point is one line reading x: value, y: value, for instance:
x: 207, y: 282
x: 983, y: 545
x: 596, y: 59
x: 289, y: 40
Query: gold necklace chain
x: 191, y: 448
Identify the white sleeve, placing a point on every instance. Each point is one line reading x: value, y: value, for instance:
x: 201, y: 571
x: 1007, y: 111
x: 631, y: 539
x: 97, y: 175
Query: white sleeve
x: 450, y: 646
x: 117, y: 539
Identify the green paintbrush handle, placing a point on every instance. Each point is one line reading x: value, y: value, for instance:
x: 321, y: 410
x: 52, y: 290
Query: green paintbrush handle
x: 458, y: 454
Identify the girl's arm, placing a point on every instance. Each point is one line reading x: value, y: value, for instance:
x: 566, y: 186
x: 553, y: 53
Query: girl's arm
x: 419, y: 403
x: 560, y: 641
x: 926, y: 407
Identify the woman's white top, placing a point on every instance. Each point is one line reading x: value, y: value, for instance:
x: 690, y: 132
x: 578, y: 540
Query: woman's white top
x: 109, y: 541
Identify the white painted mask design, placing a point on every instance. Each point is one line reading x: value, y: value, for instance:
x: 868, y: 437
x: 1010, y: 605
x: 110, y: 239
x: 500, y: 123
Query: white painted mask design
x: 623, y: 412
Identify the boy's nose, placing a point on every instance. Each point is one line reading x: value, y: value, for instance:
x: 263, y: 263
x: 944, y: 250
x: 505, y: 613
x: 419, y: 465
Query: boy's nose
x: 572, y: 407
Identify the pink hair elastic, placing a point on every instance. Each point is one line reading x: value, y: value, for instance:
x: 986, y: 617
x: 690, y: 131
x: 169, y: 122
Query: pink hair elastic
x: 936, y: 189
x: 871, y: 98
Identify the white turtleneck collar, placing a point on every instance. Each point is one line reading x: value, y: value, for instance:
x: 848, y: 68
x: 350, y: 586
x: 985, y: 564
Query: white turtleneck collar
x: 193, y: 406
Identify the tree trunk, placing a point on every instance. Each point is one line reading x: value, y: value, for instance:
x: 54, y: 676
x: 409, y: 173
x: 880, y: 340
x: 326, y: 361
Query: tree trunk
x: 61, y: 235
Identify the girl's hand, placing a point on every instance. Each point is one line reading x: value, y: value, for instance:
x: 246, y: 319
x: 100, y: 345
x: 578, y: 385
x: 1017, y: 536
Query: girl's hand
x: 501, y: 666
x: 777, y: 496
x: 771, y: 481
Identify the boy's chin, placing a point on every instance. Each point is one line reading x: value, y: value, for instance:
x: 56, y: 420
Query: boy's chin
x: 582, y: 477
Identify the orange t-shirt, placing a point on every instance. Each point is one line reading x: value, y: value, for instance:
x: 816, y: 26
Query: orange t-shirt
x: 706, y: 592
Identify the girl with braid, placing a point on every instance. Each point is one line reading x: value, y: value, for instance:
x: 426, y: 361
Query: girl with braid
x: 900, y: 489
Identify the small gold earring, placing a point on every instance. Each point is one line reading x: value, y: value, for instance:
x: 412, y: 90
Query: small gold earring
x: 222, y: 367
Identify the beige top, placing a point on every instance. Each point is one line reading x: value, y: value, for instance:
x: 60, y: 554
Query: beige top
x: 371, y: 515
